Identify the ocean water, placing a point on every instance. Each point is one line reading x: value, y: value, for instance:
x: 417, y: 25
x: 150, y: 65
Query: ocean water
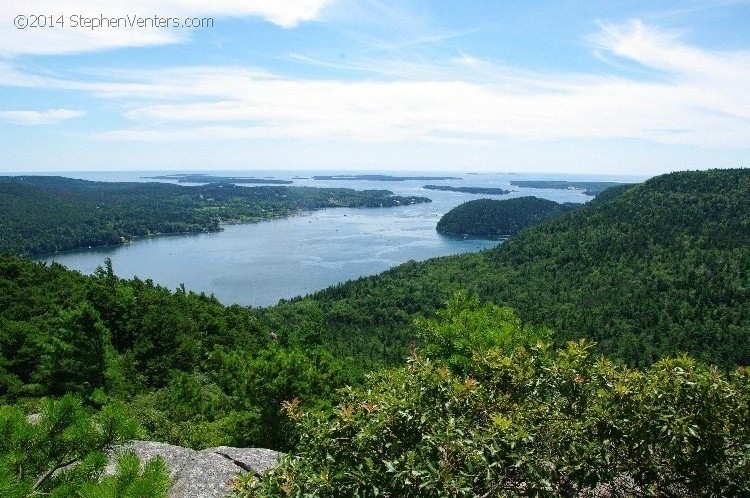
x: 259, y: 264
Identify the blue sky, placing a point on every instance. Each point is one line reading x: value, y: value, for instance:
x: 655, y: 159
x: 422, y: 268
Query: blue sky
x: 621, y: 87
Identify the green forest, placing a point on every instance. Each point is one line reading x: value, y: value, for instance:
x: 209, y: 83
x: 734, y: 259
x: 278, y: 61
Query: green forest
x: 601, y: 349
x: 43, y: 214
x: 499, y: 218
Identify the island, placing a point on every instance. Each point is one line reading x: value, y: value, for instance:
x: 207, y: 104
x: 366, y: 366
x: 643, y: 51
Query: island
x: 499, y: 218
x: 202, y: 178
x: 46, y: 214
x: 589, y: 188
x: 469, y: 190
x: 382, y: 178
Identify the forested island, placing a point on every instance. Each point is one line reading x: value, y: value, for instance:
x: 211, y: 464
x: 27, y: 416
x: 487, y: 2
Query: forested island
x: 589, y: 188
x: 554, y: 364
x: 468, y: 190
x: 499, y: 218
x: 203, y: 178
x: 43, y: 214
x: 382, y: 178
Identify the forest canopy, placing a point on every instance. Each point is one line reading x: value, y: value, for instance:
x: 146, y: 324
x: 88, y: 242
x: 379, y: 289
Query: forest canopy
x: 499, y: 218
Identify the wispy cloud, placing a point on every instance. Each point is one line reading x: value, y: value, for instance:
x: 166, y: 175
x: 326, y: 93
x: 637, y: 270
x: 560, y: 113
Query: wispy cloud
x: 698, y: 97
x: 715, y: 81
x: 701, y: 102
x: 431, y: 39
x: 692, y: 8
x: 64, y: 38
x: 48, y: 117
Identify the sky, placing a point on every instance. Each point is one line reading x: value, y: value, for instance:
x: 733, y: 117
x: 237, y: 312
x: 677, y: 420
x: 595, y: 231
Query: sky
x: 619, y: 87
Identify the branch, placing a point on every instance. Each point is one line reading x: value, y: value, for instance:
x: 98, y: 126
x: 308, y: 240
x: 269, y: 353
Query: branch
x: 40, y: 480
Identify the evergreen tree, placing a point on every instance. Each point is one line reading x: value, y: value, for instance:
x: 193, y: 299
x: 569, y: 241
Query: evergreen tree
x: 78, y: 354
x: 62, y: 454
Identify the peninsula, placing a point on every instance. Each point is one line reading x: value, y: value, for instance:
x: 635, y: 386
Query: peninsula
x: 469, y: 190
x: 589, y: 188
x: 382, y: 178
x: 201, y: 178
x: 46, y: 214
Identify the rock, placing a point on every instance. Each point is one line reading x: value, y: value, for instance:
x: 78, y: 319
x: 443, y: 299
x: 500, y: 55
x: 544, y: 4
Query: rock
x: 255, y: 460
x: 202, y: 474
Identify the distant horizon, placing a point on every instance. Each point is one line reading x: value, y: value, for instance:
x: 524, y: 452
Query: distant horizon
x: 355, y: 170
x: 392, y: 172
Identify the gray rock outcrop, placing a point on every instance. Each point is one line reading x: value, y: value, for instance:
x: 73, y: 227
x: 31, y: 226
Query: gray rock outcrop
x: 206, y: 473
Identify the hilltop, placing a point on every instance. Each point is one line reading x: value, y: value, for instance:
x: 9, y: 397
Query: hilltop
x: 499, y: 218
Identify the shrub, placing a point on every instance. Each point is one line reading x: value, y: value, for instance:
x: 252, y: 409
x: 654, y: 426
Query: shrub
x: 530, y: 421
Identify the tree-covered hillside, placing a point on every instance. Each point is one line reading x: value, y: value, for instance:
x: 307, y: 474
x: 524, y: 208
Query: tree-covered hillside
x: 44, y: 214
x: 192, y: 371
x: 645, y: 270
x: 499, y: 218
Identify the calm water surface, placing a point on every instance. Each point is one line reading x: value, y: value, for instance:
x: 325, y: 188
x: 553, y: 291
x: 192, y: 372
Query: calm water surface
x: 258, y: 264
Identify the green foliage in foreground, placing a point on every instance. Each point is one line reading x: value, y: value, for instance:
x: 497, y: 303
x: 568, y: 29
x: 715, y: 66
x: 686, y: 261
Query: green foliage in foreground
x: 499, y: 218
x: 62, y: 454
x: 524, y: 421
x: 239, y: 402
x: 45, y: 214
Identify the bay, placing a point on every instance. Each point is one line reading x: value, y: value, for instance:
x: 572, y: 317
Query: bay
x: 259, y: 264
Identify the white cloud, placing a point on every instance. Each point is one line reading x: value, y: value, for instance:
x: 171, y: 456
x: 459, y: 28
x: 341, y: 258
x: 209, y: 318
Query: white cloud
x: 51, y: 116
x: 287, y: 13
x: 717, y: 81
x: 423, y: 111
x: 702, y: 100
x: 63, y: 38
x: 698, y: 97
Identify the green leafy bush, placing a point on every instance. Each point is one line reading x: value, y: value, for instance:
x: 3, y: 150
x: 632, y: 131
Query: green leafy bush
x: 465, y: 328
x: 525, y: 420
